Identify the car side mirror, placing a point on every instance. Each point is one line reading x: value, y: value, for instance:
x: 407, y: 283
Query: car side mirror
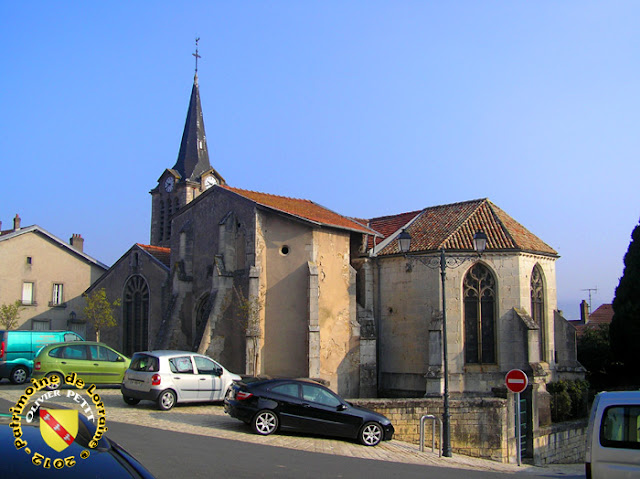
x: 217, y: 372
x: 341, y: 407
x: 120, y: 359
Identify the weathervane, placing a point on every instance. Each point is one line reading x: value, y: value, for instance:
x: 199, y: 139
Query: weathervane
x: 196, y: 54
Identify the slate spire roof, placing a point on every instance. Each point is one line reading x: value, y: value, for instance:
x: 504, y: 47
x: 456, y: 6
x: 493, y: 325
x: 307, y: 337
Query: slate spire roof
x: 452, y: 227
x: 193, y: 157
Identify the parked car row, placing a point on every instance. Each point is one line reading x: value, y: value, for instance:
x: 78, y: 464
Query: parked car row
x: 19, y: 348
x: 172, y: 377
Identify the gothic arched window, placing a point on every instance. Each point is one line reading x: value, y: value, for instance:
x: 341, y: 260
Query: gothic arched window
x: 479, y: 316
x: 537, y: 306
x: 136, y: 315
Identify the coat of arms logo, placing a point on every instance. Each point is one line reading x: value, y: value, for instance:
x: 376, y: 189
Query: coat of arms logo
x: 58, y: 427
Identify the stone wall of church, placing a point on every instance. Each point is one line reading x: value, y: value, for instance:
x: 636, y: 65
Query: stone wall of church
x: 114, y: 283
x: 287, y: 249
x: 339, y: 328
x: 213, y: 239
x: 407, y: 304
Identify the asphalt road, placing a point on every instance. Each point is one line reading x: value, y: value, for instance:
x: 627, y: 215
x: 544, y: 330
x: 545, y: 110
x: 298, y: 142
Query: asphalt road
x: 172, y: 455
x: 169, y: 455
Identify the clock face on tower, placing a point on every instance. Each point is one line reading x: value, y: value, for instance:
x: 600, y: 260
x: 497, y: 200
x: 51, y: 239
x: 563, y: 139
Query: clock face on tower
x: 168, y: 184
x: 209, y: 181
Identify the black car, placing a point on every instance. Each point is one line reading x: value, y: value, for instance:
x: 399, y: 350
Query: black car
x: 303, y: 405
x: 108, y: 460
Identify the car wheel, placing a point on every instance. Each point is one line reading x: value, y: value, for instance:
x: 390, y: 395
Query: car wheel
x: 265, y: 422
x: 53, y: 386
x: 370, y: 434
x: 19, y: 375
x: 130, y: 401
x: 166, y: 400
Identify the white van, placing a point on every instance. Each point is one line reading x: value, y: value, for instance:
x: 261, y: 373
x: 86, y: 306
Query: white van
x: 613, y: 436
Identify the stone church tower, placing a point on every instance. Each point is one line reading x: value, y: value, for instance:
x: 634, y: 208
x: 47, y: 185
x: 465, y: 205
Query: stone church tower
x: 188, y: 178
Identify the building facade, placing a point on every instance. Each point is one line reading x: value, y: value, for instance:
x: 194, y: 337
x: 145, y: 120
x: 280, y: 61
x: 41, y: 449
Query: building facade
x: 47, y: 275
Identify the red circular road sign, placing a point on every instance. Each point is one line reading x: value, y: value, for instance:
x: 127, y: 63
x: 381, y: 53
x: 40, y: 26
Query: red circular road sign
x: 516, y: 381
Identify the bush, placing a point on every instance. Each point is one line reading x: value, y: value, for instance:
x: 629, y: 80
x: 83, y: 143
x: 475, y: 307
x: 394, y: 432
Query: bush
x: 568, y: 400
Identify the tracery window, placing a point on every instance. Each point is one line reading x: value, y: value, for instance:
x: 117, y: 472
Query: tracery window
x: 479, y: 316
x: 537, y: 306
x: 136, y: 315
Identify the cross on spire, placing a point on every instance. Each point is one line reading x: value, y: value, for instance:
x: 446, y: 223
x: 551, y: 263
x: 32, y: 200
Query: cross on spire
x: 196, y: 54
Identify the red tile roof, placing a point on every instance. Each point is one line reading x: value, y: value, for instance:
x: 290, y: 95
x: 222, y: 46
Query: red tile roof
x: 387, y: 225
x: 602, y: 315
x: 305, y: 209
x: 452, y: 227
x: 161, y: 254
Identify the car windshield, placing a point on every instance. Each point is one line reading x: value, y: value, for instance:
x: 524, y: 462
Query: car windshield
x: 144, y: 362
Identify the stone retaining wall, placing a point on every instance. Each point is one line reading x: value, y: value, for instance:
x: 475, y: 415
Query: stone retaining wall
x: 481, y: 427
x: 562, y: 443
x: 478, y: 425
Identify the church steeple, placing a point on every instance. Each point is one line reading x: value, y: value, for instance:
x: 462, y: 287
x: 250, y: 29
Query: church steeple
x: 193, y: 157
x: 191, y: 176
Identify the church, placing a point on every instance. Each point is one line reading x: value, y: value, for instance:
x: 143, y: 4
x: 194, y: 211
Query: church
x: 279, y: 286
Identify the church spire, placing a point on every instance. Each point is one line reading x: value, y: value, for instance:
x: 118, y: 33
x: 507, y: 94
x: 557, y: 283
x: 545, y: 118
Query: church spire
x: 193, y: 157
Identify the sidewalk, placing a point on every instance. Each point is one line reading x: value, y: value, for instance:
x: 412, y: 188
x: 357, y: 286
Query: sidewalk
x: 210, y: 420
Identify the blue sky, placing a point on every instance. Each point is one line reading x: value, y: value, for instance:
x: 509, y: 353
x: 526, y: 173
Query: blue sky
x: 366, y: 107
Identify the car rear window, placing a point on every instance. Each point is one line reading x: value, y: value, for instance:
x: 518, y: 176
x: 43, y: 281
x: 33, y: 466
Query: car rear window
x: 289, y: 389
x: 181, y: 365
x: 74, y: 352
x: 620, y: 427
x: 56, y: 352
x: 144, y: 362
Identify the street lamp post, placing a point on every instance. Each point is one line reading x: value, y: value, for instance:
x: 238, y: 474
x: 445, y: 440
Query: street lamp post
x: 444, y: 262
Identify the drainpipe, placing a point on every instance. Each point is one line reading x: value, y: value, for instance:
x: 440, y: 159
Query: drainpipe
x: 378, y: 311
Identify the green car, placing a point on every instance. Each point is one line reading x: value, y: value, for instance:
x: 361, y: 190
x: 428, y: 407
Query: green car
x: 94, y: 363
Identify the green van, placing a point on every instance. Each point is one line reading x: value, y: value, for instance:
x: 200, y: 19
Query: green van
x: 19, y: 348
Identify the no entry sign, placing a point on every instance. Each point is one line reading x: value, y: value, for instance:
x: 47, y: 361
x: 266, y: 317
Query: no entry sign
x: 516, y: 381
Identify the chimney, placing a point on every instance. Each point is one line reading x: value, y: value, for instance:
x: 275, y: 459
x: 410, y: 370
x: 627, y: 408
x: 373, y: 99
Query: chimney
x: 16, y: 223
x: 77, y: 242
x: 584, y: 312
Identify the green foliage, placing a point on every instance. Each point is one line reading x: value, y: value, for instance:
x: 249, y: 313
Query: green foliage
x: 99, y: 311
x: 568, y: 400
x: 625, y: 326
x: 9, y: 314
x: 594, y: 353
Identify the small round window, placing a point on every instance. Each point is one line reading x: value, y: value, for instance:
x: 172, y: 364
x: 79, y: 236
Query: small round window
x: 284, y: 251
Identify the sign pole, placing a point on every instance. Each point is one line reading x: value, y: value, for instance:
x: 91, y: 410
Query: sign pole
x: 517, y: 381
x: 518, y: 433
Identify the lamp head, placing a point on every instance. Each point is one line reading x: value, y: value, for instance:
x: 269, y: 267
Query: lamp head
x: 479, y: 242
x: 404, y: 241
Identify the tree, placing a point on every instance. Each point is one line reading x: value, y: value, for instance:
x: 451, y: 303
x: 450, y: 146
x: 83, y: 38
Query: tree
x: 99, y: 311
x: 594, y: 353
x: 625, y: 325
x: 249, y: 317
x: 9, y: 314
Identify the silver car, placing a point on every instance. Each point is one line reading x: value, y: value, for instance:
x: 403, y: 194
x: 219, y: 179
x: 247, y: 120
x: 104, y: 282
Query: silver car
x: 170, y: 377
